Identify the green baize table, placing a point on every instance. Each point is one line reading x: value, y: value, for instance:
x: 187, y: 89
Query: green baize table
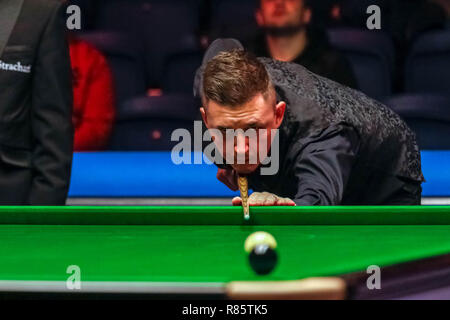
x: 324, y: 252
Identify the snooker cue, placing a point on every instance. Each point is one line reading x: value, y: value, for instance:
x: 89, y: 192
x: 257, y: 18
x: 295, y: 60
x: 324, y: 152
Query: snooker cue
x: 243, y: 188
x: 332, y: 288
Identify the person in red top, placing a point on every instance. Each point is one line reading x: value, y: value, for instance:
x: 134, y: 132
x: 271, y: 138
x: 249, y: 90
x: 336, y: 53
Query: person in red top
x: 93, y: 93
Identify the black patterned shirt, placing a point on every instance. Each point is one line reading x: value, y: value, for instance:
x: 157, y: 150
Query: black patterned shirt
x: 338, y: 146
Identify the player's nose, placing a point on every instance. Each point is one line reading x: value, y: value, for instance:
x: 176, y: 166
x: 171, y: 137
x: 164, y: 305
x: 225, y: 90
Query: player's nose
x: 241, y: 145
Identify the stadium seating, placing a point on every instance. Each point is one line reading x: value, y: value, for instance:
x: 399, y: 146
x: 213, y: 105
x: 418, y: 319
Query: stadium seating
x: 179, y: 72
x: 371, y: 55
x: 428, y: 116
x: 233, y: 19
x: 354, y: 12
x: 428, y: 64
x: 147, y: 123
x: 164, y: 27
x: 125, y: 58
x: 154, y: 44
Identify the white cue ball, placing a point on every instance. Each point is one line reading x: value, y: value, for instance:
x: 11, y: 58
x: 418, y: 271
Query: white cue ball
x: 259, y: 237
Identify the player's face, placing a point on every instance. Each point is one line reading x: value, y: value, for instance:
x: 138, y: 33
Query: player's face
x: 259, y: 113
x: 281, y: 13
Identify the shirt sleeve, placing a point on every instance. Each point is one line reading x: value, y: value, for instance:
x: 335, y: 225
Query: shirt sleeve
x: 324, y: 165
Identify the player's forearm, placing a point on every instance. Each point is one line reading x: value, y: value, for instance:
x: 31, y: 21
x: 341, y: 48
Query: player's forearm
x: 314, y: 193
x: 324, y: 167
x: 315, y: 199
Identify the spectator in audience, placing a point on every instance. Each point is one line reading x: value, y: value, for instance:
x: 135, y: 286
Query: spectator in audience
x: 94, y: 110
x: 36, y: 104
x: 287, y: 35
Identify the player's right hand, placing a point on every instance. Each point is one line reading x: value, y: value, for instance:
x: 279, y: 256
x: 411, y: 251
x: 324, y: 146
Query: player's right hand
x: 228, y: 177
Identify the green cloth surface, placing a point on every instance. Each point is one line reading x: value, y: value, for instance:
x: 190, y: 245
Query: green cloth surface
x: 180, y: 251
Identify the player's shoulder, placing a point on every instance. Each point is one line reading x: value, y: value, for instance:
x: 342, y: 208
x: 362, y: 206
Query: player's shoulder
x: 290, y: 76
x: 280, y: 70
x: 277, y: 64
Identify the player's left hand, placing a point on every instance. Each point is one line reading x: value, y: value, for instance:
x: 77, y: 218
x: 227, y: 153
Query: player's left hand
x: 264, y: 199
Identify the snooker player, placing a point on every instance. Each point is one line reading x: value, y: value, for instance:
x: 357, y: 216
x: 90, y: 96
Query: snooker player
x: 336, y: 145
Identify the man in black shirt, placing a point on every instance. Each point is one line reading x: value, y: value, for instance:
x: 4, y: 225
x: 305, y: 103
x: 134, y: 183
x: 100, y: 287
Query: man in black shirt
x: 36, y: 134
x: 286, y: 35
x: 336, y: 145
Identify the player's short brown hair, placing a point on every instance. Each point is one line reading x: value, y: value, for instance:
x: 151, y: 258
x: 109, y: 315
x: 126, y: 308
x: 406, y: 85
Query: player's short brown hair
x: 234, y: 77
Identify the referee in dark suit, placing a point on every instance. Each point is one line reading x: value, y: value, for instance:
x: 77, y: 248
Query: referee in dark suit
x: 36, y: 134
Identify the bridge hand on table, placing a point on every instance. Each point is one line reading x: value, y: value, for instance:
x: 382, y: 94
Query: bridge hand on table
x: 264, y: 199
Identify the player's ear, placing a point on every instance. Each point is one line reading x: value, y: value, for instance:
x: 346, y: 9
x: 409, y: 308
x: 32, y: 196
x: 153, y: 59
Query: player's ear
x: 280, y: 108
x: 204, y: 117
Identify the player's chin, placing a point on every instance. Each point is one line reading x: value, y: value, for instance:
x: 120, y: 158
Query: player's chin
x: 244, y: 169
x: 280, y: 21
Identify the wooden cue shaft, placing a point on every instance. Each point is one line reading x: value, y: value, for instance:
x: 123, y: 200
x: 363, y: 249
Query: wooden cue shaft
x: 332, y: 288
x: 243, y: 188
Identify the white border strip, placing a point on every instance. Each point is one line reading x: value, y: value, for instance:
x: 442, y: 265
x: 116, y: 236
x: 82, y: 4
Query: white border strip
x: 191, y: 201
x: 149, y: 201
x: 114, y: 287
x: 436, y: 201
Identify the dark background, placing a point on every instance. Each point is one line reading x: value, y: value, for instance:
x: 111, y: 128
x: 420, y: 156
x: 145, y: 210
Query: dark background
x: 154, y: 48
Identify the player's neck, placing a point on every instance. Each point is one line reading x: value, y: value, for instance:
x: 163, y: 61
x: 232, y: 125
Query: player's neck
x: 287, y: 48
